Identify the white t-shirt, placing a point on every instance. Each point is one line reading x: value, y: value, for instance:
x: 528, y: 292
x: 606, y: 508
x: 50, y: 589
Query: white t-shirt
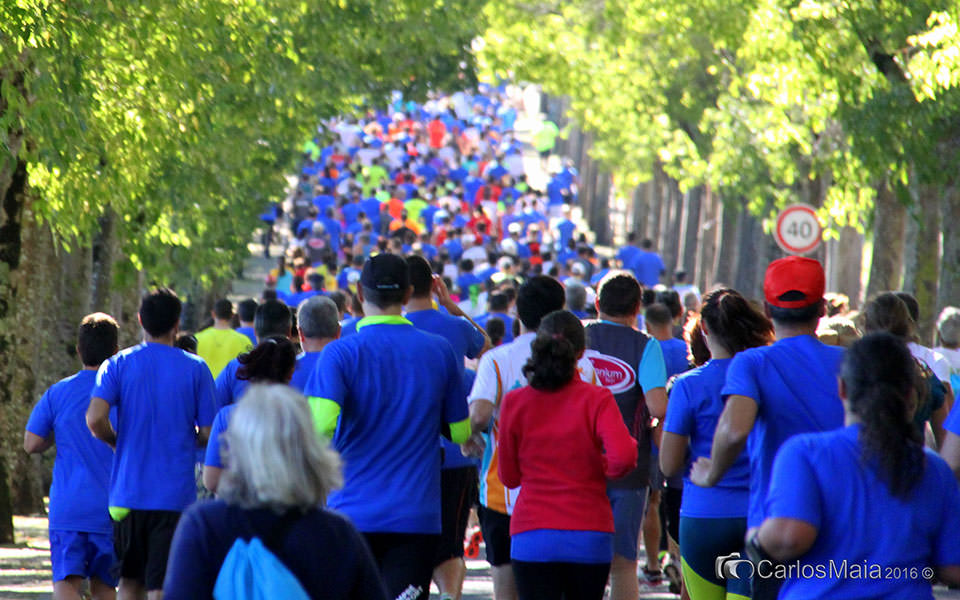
x: 937, y: 362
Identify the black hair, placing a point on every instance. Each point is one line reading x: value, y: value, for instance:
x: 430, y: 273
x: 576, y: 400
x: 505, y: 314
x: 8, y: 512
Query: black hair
x: 466, y: 265
x: 160, y: 311
x: 340, y: 299
x: 647, y: 244
x: 553, y: 354
x: 246, y: 310
x: 268, y: 294
x: 496, y: 329
x: 734, y: 322
x: 888, y: 312
x: 223, y: 309
x: 272, y: 361
x: 671, y: 299
x: 878, y: 372
x: 499, y: 302
x: 421, y: 276
x: 913, y: 307
x: 97, y: 338
x: 186, y: 342
x: 538, y: 297
x: 618, y: 294
x: 272, y: 319
x: 657, y: 314
x: 647, y: 297
x: 383, y: 299
x: 795, y: 316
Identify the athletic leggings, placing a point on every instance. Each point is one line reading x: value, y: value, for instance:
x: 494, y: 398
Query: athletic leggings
x: 702, y: 542
x: 560, y: 580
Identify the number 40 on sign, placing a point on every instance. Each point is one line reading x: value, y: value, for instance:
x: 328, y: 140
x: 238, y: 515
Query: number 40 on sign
x: 798, y: 230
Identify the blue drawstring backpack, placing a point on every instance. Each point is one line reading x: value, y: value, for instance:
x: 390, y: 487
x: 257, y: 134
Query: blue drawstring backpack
x: 252, y: 572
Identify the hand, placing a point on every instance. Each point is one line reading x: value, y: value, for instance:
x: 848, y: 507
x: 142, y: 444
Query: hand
x: 474, y: 446
x: 441, y: 291
x: 700, y: 472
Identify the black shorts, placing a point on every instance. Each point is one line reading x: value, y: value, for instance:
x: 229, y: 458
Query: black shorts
x: 142, y: 543
x: 404, y: 560
x: 496, y: 535
x: 458, y: 492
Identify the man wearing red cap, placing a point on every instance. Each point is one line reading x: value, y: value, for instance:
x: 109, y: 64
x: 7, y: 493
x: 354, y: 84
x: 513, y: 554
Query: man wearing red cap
x: 775, y: 392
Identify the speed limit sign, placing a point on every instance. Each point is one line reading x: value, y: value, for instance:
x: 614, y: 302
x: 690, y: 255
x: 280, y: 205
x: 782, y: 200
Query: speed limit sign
x: 798, y: 229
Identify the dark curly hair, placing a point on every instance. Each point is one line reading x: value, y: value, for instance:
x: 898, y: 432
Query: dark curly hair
x: 553, y: 360
x: 734, y: 322
x: 272, y: 361
x: 878, y: 373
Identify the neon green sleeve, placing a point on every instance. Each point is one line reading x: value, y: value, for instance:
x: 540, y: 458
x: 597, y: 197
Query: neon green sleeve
x: 325, y: 415
x: 460, y: 431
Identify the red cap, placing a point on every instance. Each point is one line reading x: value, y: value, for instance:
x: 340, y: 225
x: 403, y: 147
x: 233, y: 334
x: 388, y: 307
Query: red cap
x: 795, y: 274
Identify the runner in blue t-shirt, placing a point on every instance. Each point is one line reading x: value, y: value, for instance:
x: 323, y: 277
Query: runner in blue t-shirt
x: 163, y: 397
x: 384, y: 394
x: 458, y: 477
x: 647, y: 264
x: 81, y: 535
x: 272, y: 319
x: 775, y: 392
x: 868, y: 498
x: 713, y: 521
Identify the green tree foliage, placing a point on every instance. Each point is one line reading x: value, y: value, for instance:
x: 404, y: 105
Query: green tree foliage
x: 183, y: 116
x: 771, y: 100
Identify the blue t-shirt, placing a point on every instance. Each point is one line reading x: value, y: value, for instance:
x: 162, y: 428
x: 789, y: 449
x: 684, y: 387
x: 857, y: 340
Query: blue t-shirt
x: 349, y: 326
x: 626, y: 254
x: 794, y: 383
x: 161, y: 394
x: 228, y: 387
x: 952, y: 424
x: 647, y: 266
x: 694, y: 410
x: 306, y: 362
x: 566, y: 228
x: 395, y: 386
x: 212, y: 457
x: 507, y: 324
x: 248, y: 331
x: 821, y: 479
x: 562, y: 545
x: 467, y: 342
x: 675, y: 356
x: 81, y: 471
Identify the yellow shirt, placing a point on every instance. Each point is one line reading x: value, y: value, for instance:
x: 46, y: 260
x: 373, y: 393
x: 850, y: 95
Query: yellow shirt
x: 219, y: 346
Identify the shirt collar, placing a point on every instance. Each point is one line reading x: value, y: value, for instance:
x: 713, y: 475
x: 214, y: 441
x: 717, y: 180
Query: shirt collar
x: 382, y: 320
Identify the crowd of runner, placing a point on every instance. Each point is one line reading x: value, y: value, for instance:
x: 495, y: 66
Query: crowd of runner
x: 441, y: 345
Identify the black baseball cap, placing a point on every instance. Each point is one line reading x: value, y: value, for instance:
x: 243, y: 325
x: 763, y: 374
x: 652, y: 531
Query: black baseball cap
x: 385, y: 272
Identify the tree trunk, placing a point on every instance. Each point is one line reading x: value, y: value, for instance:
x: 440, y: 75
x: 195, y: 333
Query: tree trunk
x: 889, y: 219
x: 845, y: 265
x: 690, y: 234
x: 725, y: 264
x: 600, y: 215
x: 749, y: 240
x: 922, y: 261
x: 948, y: 293
x: 707, y: 239
x: 657, y: 199
x: 103, y: 257
x: 15, y: 374
x: 641, y: 208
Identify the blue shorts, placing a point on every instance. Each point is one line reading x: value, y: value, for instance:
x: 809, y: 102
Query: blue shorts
x: 83, y: 554
x: 628, y: 507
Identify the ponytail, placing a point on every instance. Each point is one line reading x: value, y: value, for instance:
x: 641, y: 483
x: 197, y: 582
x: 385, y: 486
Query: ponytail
x: 879, y: 375
x: 272, y: 361
x: 553, y: 357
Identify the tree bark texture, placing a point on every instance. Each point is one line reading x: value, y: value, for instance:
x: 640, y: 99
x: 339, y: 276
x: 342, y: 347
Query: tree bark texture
x: 725, y: 265
x: 922, y: 261
x: 948, y: 292
x: 886, y: 264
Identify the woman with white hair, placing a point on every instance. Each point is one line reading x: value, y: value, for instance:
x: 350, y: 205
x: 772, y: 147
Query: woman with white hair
x: 948, y: 334
x: 277, y: 477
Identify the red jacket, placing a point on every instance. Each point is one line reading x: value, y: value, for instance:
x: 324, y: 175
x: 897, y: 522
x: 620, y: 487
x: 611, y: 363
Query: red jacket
x: 562, y: 447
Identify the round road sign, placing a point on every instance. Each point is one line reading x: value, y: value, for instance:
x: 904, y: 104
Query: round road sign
x: 798, y: 229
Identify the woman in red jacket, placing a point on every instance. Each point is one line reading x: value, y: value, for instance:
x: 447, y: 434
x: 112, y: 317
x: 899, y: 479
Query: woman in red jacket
x: 561, y: 438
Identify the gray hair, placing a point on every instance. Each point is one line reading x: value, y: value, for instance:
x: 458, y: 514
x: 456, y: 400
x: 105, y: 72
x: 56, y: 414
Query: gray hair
x: 273, y: 455
x: 576, y: 296
x: 948, y: 326
x: 318, y: 317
